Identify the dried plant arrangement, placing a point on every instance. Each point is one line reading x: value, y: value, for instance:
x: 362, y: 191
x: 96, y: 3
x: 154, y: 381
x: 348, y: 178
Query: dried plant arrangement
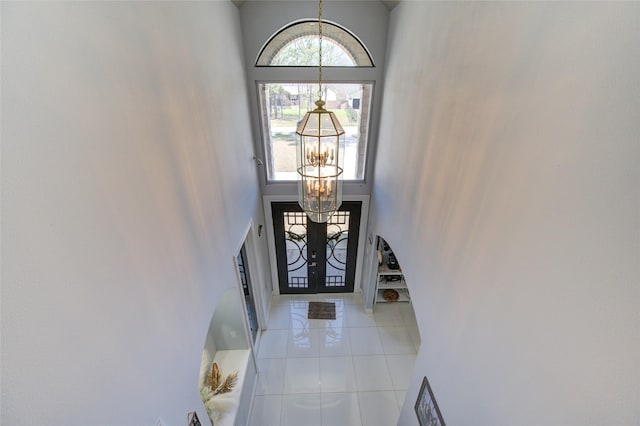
x: 214, y: 377
x: 218, y: 383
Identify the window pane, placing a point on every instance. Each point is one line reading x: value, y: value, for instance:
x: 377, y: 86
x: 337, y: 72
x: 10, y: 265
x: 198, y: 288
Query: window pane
x: 305, y: 34
x: 304, y: 51
x: 295, y: 228
x: 284, y: 105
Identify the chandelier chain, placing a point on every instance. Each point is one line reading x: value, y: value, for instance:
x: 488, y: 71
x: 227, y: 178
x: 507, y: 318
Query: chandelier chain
x: 320, y: 49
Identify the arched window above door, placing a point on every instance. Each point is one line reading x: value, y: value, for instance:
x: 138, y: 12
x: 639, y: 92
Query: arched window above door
x: 297, y: 45
x: 285, y: 97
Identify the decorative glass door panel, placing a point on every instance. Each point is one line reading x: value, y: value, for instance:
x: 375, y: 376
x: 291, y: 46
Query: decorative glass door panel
x: 295, y: 234
x: 316, y: 257
x: 337, y: 249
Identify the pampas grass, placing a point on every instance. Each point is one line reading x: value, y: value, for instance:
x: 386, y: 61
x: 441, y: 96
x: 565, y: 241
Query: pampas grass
x: 219, y: 384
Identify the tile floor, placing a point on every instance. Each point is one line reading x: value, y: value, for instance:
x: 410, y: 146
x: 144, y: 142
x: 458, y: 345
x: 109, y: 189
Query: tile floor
x: 351, y: 371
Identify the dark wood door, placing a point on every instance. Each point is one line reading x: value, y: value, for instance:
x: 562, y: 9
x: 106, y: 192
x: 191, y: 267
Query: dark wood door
x: 316, y: 257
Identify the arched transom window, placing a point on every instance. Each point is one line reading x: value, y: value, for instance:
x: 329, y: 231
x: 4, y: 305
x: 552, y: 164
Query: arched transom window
x: 284, y: 103
x: 297, y: 45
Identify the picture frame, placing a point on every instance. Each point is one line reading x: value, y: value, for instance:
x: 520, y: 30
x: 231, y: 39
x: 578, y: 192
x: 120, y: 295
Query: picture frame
x: 427, y: 408
x: 193, y: 419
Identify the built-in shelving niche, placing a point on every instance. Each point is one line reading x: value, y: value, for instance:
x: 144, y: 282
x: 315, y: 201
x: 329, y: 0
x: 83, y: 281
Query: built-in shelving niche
x: 390, y: 277
x: 227, y: 344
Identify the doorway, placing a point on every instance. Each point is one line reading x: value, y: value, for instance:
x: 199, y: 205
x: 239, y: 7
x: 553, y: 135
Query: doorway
x: 247, y: 290
x: 316, y: 257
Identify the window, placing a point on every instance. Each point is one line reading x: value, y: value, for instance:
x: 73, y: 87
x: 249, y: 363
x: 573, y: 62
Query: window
x: 305, y: 34
x: 304, y: 51
x: 284, y: 103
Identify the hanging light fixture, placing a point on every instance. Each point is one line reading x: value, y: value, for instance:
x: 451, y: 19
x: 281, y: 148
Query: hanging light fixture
x: 320, y: 155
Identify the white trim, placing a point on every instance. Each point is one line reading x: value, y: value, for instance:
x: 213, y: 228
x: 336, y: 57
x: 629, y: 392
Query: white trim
x: 362, y: 237
x: 271, y: 244
x: 369, y: 294
x: 256, y: 276
x: 249, y: 244
x: 253, y: 397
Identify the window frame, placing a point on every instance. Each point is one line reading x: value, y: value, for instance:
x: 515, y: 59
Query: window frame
x: 330, y: 74
x: 337, y: 33
x: 363, y: 146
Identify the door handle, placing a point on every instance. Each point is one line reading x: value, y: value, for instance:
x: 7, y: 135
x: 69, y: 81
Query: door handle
x: 313, y: 264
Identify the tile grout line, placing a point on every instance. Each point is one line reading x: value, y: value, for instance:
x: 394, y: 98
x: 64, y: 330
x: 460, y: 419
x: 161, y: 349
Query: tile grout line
x: 347, y: 326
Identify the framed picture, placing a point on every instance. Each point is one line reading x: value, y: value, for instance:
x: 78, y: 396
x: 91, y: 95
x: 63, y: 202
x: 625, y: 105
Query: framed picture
x: 193, y: 419
x: 426, y: 407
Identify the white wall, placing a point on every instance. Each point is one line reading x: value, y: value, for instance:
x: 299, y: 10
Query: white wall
x: 507, y: 183
x: 227, y: 326
x: 127, y: 182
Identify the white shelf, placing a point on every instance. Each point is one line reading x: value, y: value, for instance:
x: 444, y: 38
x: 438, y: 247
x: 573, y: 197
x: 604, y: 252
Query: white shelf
x: 384, y: 270
x: 382, y: 284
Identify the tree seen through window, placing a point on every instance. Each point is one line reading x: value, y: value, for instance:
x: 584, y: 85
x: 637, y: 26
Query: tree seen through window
x: 304, y: 51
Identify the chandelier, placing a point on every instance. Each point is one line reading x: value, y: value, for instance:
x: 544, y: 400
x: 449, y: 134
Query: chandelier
x: 320, y: 155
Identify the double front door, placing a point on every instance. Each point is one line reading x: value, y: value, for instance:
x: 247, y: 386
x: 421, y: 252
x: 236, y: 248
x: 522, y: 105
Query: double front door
x: 316, y: 257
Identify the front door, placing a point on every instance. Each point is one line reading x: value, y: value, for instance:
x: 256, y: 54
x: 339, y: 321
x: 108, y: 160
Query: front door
x: 316, y: 257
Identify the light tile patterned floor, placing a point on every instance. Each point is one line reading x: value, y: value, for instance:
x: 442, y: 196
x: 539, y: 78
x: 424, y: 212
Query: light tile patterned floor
x: 351, y: 371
